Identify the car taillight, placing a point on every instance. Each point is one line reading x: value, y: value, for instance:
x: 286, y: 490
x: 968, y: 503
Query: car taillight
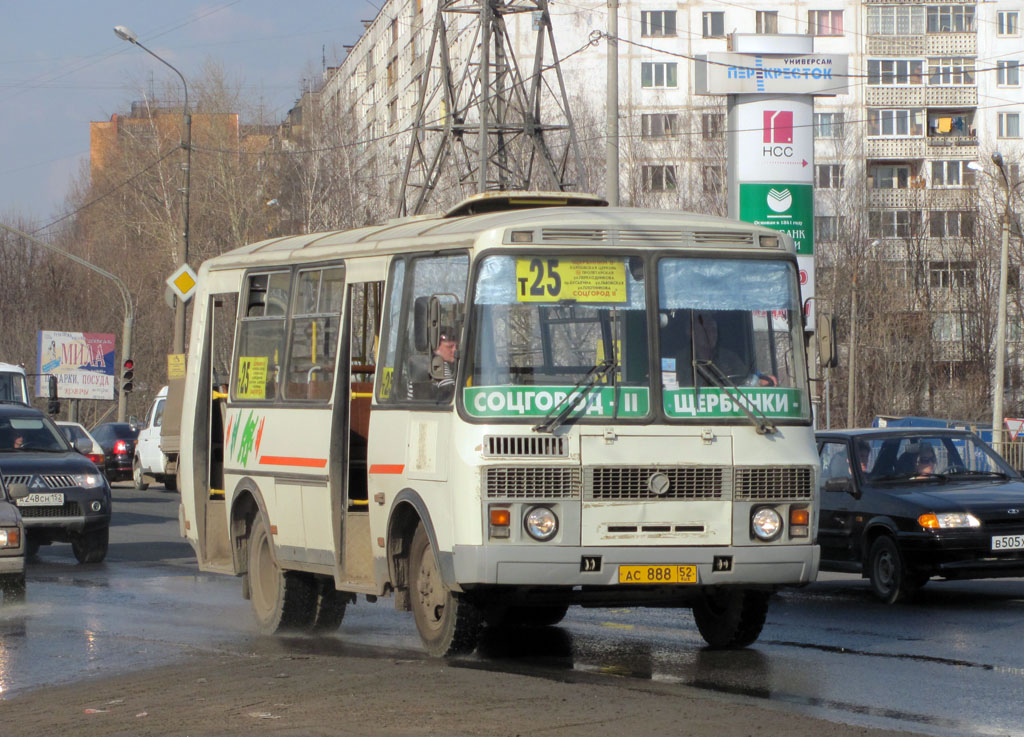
x: 120, y: 446
x: 96, y: 458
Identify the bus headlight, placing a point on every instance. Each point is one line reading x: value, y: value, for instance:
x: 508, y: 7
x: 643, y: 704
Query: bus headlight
x: 541, y: 523
x: 766, y: 524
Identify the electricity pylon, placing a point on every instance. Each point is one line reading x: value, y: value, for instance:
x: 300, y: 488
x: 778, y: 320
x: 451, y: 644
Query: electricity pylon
x: 479, y: 119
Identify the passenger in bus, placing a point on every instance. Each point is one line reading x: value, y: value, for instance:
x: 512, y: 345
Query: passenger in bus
x: 708, y: 347
x: 438, y: 381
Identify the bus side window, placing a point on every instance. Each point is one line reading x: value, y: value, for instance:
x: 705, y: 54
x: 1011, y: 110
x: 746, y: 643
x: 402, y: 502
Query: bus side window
x: 313, y: 344
x: 261, y: 336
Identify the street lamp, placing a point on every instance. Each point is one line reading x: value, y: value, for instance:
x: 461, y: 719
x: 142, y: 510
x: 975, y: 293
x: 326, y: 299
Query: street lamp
x: 997, y: 382
x: 125, y: 33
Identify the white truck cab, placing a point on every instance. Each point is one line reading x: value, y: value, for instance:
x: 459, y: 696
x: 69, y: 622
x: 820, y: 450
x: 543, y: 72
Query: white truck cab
x: 13, y: 385
x: 151, y: 459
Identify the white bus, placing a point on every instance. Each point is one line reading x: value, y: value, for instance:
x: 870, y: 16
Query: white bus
x: 529, y: 402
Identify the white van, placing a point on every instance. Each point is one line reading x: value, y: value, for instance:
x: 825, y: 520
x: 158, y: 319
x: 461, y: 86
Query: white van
x: 150, y: 458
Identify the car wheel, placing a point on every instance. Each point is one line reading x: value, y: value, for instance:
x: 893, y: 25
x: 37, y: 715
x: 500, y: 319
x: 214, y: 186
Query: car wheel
x: 448, y: 624
x: 140, y: 480
x: 282, y: 601
x: 731, y: 618
x: 31, y: 546
x: 13, y: 588
x: 890, y: 580
x: 91, y: 547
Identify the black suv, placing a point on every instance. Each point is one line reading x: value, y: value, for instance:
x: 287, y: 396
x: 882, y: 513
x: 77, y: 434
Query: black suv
x: 118, y: 442
x: 68, y: 500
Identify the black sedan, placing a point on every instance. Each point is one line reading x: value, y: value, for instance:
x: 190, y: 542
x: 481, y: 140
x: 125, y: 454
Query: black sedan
x: 118, y: 442
x: 901, y: 506
x: 68, y: 499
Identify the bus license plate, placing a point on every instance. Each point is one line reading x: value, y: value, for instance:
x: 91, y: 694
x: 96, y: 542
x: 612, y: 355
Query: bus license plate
x: 41, y: 500
x: 1008, y: 542
x: 657, y: 574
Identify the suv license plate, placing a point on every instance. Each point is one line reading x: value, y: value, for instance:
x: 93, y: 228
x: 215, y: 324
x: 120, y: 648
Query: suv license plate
x: 658, y: 574
x: 1008, y: 542
x: 41, y: 500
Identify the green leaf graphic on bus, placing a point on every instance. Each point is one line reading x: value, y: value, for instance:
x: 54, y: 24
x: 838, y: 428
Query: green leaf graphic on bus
x: 713, y: 402
x: 252, y: 433
x: 537, y: 401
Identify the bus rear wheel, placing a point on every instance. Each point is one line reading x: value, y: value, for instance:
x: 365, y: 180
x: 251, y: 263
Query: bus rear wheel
x: 448, y: 624
x: 283, y: 601
x: 731, y: 618
x: 330, y: 606
x: 508, y: 617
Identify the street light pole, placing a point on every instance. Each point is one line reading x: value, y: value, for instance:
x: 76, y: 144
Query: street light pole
x: 125, y: 33
x: 126, y: 298
x: 997, y: 399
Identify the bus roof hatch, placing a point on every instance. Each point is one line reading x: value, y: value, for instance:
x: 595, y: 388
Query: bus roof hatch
x: 500, y: 201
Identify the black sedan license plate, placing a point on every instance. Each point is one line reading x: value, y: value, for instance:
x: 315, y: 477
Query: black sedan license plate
x: 1008, y: 542
x: 658, y: 574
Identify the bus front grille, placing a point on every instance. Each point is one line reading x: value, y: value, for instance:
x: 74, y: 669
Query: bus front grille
x: 526, y: 482
x: 607, y: 483
x: 773, y: 482
x: 526, y: 446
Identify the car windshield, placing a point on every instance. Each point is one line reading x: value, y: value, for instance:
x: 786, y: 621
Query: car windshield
x: 547, y: 327
x: 20, y: 434
x: 926, y: 456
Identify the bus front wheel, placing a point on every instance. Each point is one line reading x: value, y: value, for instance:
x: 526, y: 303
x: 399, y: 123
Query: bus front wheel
x: 282, y: 601
x: 448, y: 624
x: 731, y: 618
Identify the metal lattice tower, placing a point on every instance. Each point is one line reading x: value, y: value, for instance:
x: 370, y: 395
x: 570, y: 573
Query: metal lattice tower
x: 479, y: 120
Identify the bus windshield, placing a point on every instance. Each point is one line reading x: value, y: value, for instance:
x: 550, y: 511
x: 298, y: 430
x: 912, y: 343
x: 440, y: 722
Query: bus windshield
x: 547, y: 327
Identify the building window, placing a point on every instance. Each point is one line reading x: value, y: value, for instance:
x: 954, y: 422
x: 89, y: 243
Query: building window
x: 393, y: 29
x: 393, y: 112
x: 1009, y: 125
x: 1008, y: 73
x: 828, y: 176
x: 951, y: 19
x: 948, y: 326
x: 714, y: 24
x: 1009, y: 23
x: 947, y: 274
x: 659, y: 178
x: 827, y: 228
x: 658, y: 75
x: 711, y: 126
x: 952, y: 174
x: 392, y: 72
x: 891, y: 223
x: 890, y: 177
x: 825, y: 22
x: 950, y: 224
x: 950, y: 124
x: 657, y: 23
x: 895, y: 123
x: 896, y: 20
x: 895, y: 71
x: 713, y: 178
x: 951, y: 70
x: 659, y: 125
x: 828, y: 125
x: 767, y: 21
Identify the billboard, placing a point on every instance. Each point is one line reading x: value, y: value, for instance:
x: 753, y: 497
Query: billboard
x: 730, y: 73
x: 82, y: 362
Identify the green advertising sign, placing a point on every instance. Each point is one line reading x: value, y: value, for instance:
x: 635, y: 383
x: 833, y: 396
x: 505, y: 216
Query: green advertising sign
x: 538, y: 401
x: 713, y: 402
x: 785, y: 207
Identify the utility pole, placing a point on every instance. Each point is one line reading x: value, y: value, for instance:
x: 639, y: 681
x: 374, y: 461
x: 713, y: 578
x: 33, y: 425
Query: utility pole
x: 479, y: 120
x: 612, y: 108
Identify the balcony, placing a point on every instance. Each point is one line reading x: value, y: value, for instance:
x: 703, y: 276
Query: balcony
x: 903, y: 149
x: 895, y: 46
x: 952, y: 198
x: 951, y: 44
x: 893, y: 96
x: 897, y: 199
x: 952, y: 147
x: 966, y: 96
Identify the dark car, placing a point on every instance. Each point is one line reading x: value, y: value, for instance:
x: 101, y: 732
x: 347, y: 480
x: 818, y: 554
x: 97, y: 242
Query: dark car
x: 901, y: 506
x: 68, y: 499
x: 118, y: 442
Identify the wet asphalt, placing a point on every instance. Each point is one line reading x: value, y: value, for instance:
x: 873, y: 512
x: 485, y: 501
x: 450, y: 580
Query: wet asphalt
x: 950, y: 663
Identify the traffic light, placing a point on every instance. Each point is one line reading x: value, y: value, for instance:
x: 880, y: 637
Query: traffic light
x: 127, y: 375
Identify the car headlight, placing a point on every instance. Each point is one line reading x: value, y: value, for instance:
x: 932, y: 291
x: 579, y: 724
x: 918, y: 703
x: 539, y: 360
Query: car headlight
x: 766, y: 524
x: 10, y: 537
x: 948, y: 520
x: 541, y: 523
x: 89, y: 480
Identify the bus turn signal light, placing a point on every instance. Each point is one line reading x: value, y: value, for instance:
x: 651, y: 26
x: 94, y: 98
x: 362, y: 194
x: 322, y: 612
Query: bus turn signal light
x: 501, y: 519
x: 799, y: 522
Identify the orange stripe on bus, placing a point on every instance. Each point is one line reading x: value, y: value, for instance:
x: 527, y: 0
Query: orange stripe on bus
x: 290, y: 461
x: 387, y: 468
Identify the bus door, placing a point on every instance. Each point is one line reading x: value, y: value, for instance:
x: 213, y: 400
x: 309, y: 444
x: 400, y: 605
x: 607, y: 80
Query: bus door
x: 351, y: 428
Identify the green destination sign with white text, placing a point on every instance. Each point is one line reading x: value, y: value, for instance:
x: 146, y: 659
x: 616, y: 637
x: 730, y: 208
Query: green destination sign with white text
x: 713, y: 402
x: 538, y: 401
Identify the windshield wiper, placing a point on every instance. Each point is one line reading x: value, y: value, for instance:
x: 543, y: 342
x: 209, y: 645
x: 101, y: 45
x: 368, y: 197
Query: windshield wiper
x: 561, y: 411
x: 710, y: 371
x: 968, y: 472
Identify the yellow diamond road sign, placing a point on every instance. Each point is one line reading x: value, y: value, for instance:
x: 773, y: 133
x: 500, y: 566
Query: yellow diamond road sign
x: 183, y: 282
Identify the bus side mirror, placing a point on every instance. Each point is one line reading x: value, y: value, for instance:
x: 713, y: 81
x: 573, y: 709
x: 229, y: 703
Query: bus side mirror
x: 52, y: 404
x: 421, y: 325
x: 828, y: 351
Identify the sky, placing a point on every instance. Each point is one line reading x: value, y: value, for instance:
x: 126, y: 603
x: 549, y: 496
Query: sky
x: 61, y: 66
